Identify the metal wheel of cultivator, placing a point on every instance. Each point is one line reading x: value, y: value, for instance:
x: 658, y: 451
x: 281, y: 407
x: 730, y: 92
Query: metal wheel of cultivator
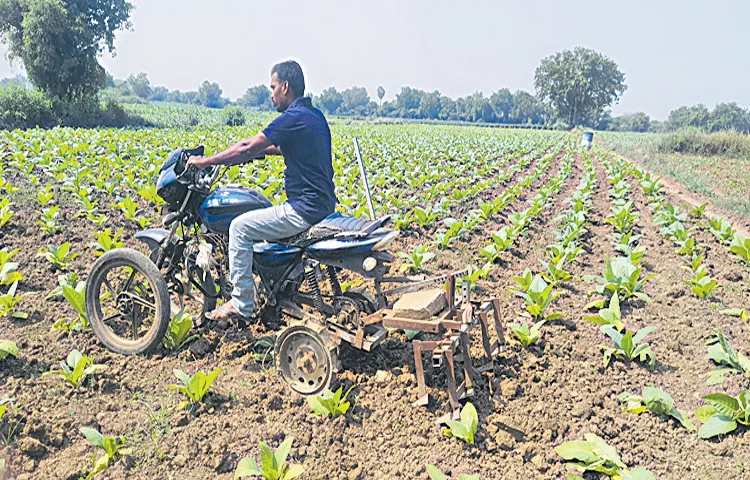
x: 306, y: 359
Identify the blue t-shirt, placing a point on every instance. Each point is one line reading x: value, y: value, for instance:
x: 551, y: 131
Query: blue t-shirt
x: 301, y: 132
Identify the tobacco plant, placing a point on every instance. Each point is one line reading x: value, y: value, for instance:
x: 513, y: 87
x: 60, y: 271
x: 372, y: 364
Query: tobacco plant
x: 538, y: 296
x: 595, y: 455
x: 60, y: 256
x: 197, y: 386
x: 5, y: 212
x: 525, y: 334
x: 607, y: 316
x: 9, y: 270
x: 178, y: 333
x: 741, y: 247
x: 723, y: 413
x: 272, y: 466
x: 106, y: 242
x: 620, y: 275
x: 8, y: 302
x: 466, y: 427
x: 628, y: 346
x: 729, y: 360
x: 76, y: 368
x: 49, y: 218
x: 8, y: 347
x: 418, y: 257
x: 114, y: 448
x: 436, y: 474
x: 656, y: 401
x: 330, y: 403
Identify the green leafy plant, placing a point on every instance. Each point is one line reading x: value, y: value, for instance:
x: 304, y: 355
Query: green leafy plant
x: 114, y: 448
x: 45, y: 196
x: 436, y: 474
x: 76, y: 298
x: 106, y: 242
x: 76, y: 368
x: 702, y: 285
x: 60, y: 256
x: 69, y: 279
x: 538, y: 297
x: 595, y: 455
x: 527, y: 335
x: 178, y: 333
x: 8, y: 302
x: 273, y: 464
x: 466, y: 426
x: 9, y: 270
x: 503, y: 238
x: 330, y: 403
x: 721, y: 351
x: 620, y: 275
x: 699, y: 211
x: 740, y: 313
x: 628, y: 346
x: 197, y: 386
x: 424, y: 216
x: 555, y: 271
x: 741, y: 247
x: 609, y: 316
x: 5, y: 212
x: 49, y: 218
x: 721, y: 229
x: 8, y: 347
x: 419, y: 256
x: 128, y: 207
x: 689, y: 247
x: 656, y: 401
x: 723, y: 413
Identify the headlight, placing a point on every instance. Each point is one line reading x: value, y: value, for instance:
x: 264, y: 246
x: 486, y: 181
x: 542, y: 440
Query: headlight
x: 369, y: 264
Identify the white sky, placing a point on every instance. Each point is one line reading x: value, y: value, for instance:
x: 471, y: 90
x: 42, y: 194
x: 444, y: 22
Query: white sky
x: 672, y: 52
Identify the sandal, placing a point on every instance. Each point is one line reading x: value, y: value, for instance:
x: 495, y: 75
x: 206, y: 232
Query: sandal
x: 227, y: 313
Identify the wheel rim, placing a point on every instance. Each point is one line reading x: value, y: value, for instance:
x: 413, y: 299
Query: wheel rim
x: 126, y: 303
x: 304, y: 361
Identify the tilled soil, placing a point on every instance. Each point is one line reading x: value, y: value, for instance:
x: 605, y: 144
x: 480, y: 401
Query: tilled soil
x: 534, y: 400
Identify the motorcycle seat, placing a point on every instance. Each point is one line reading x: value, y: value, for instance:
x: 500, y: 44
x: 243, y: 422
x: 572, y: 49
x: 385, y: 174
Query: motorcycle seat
x: 335, y: 225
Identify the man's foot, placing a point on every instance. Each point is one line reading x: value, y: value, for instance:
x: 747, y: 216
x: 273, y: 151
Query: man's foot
x: 226, y: 312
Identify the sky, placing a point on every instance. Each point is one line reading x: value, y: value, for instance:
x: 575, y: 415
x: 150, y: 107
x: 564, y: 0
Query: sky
x: 672, y: 52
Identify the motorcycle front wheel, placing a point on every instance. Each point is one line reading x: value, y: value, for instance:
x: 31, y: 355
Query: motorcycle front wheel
x: 127, y: 301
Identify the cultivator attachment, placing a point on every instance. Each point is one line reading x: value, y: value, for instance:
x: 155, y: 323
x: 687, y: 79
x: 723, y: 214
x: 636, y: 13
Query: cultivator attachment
x: 454, y: 319
x: 307, y: 349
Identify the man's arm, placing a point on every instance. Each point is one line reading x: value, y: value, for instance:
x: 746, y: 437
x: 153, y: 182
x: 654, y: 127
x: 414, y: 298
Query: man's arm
x: 240, y: 152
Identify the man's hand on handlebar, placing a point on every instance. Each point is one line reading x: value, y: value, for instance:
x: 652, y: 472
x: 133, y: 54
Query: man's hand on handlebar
x: 198, y: 162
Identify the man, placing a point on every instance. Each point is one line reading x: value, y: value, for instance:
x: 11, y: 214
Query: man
x: 301, y: 134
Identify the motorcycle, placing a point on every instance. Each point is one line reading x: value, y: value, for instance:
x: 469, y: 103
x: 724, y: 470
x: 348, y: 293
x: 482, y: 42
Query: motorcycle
x: 131, y: 296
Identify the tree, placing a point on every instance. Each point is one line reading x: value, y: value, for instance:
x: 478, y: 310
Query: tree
x: 579, y: 84
x: 408, y: 101
x: 447, y: 109
x: 330, y: 100
x: 176, y: 96
x: 502, y: 103
x: 631, y: 122
x: 159, y: 94
x: 381, y: 94
x: 210, y: 95
x: 258, y: 96
x: 429, y: 106
x: 526, y: 109
x: 192, y: 97
x: 355, y: 101
x: 140, y: 85
x: 729, y: 116
x: 59, y: 41
x: 683, y: 117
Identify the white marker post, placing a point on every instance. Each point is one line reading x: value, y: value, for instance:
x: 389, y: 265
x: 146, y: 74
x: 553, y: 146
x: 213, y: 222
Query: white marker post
x: 364, y: 178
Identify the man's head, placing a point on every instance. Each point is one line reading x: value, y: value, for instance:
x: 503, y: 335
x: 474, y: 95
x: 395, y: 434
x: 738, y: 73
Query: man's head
x: 287, y: 84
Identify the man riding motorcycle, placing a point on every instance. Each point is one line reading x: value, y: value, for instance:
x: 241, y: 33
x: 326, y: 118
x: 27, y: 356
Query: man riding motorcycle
x: 301, y: 134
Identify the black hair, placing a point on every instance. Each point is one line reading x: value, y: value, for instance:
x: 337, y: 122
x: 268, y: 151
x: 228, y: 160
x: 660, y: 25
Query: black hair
x: 291, y: 72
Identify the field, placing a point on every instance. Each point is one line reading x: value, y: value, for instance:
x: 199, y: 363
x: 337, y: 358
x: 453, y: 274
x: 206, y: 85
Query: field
x: 500, y: 201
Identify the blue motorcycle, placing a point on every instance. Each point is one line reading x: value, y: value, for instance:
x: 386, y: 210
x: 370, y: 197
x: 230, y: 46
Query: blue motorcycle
x: 132, y: 295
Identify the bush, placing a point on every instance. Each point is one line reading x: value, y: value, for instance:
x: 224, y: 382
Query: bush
x: 233, y: 116
x: 694, y: 141
x: 23, y: 108
x: 91, y: 113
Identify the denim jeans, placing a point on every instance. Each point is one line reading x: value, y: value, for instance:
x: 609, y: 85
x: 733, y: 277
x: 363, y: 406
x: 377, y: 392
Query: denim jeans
x: 271, y: 223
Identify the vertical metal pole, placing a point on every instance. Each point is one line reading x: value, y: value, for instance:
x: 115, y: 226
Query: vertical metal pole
x: 364, y: 178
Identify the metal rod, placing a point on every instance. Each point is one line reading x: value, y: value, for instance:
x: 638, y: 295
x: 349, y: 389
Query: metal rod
x: 364, y: 178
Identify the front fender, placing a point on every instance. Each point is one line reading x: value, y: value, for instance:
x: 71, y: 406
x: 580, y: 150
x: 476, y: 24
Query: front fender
x: 153, y: 237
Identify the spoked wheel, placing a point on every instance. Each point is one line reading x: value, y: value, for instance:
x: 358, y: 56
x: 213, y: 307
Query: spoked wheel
x: 127, y: 301
x: 306, y: 359
x: 184, y: 295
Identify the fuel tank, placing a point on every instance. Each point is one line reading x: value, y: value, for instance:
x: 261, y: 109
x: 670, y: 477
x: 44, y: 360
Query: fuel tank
x: 226, y: 203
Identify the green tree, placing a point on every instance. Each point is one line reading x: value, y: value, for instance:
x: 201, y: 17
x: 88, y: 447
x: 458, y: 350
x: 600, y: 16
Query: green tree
x: 407, y: 102
x: 631, y: 122
x: 159, y: 94
x: 381, y: 94
x: 176, y: 96
x: 683, y: 117
x: 192, y: 97
x: 355, y: 101
x: 526, y: 109
x: 59, y: 41
x: 209, y: 94
x: 502, y: 103
x: 579, y: 84
x: 140, y: 85
x: 729, y: 116
x: 258, y: 96
x: 330, y: 100
x: 429, y: 106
